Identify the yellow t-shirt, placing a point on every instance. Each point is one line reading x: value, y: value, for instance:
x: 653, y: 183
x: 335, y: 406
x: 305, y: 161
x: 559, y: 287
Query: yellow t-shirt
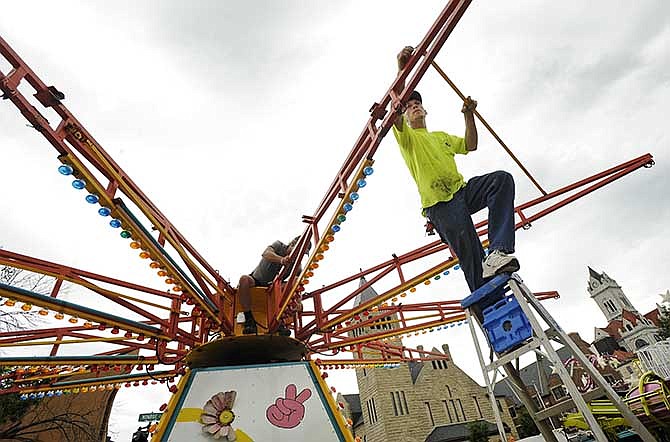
x: 430, y: 159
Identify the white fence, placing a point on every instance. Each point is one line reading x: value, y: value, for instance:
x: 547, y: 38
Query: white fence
x: 656, y: 358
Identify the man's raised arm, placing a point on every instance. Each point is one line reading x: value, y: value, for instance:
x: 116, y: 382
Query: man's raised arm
x: 471, y: 138
x: 403, y: 58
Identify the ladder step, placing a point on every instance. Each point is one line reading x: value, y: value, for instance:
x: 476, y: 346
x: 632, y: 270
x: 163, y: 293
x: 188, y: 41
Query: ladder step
x: 495, y: 288
x: 531, y: 345
x: 568, y: 404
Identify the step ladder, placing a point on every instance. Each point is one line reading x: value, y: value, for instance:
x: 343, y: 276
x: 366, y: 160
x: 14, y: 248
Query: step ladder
x: 506, y: 311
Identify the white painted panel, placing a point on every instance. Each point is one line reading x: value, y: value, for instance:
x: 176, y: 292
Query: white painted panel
x: 258, y: 388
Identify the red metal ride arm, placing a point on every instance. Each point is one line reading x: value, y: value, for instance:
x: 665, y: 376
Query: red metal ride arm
x: 382, y: 117
x: 199, y: 281
x: 329, y: 312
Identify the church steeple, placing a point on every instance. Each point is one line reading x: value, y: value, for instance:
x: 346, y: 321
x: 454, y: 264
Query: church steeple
x: 595, y: 275
x: 382, y: 321
x: 608, y: 295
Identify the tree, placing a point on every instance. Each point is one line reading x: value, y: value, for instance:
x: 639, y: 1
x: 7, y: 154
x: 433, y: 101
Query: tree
x: 12, y: 319
x: 31, y: 419
x: 478, y: 431
x: 58, y: 418
x: 526, y: 425
x: 664, y: 321
x: 11, y: 406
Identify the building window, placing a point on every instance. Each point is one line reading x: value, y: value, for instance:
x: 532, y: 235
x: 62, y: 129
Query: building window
x: 399, y: 402
x: 628, y: 327
x: 439, y: 364
x: 456, y: 406
x: 610, y: 306
x: 372, y: 410
x: 382, y: 324
x: 430, y: 414
x: 448, y: 390
x: 479, y: 410
x: 365, y: 373
x: 538, y: 402
x: 512, y: 412
x: 460, y: 405
x: 446, y: 407
x: 609, y: 378
x: 558, y: 392
x: 640, y: 343
x: 404, y: 402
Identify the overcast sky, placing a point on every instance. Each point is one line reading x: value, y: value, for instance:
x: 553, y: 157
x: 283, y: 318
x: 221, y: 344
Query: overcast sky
x: 233, y: 117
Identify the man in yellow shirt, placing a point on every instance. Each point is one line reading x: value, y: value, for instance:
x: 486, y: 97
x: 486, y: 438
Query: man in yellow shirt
x: 447, y: 200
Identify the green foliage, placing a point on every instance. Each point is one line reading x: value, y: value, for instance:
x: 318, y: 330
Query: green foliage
x: 478, y: 431
x: 664, y: 322
x: 12, y: 408
x: 525, y: 424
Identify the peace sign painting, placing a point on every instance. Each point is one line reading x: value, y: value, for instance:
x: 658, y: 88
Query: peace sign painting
x: 288, y: 411
x: 255, y: 403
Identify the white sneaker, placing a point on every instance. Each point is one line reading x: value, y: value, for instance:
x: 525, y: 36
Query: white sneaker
x: 499, y: 262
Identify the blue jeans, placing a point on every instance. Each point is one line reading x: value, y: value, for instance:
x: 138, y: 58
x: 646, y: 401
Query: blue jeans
x: 454, y: 224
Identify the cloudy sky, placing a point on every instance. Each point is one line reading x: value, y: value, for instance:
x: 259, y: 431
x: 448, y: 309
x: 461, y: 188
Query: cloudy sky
x: 234, y: 117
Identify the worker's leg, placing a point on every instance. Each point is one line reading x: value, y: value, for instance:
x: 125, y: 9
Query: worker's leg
x: 244, y: 296
x: 453, y: 223
x: 495, y: 191
x: 244, y: 292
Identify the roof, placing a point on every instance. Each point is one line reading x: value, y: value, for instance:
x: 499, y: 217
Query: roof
x: 613, y: 328
x: 653, y: 316
x: 623, y: 356
x: 366, y: 295
x: 630, y: 316
x: 529, y: 376
x: 354, y: 401
x: 415, y: 368
x: 595, y: 275
x: 459, y: 432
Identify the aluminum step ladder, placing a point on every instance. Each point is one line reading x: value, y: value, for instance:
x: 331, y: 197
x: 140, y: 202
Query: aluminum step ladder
x: 507, y: 313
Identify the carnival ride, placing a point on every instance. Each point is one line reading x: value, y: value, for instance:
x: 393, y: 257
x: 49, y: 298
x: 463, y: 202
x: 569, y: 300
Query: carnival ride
x: 154, y: 327
x: 649, y: 400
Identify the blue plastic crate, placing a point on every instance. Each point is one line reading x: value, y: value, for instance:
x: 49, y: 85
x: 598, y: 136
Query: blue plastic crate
x: 506, y: 325
x: 489, y: 293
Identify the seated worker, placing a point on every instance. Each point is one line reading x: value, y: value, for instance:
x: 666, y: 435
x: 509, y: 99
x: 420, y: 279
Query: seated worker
x: 275, y: 256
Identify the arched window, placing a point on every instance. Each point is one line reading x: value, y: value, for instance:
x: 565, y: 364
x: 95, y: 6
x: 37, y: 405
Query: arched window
x: 640, y: 343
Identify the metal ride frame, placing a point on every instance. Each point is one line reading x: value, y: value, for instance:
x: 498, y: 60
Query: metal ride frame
x: 200, y: 303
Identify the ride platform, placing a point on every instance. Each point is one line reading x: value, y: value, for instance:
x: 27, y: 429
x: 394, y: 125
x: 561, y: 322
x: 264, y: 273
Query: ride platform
x: 252, y: 388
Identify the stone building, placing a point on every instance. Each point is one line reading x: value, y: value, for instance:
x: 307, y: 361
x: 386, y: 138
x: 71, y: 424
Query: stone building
x: 418, y: 401
x: 630, y: 330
